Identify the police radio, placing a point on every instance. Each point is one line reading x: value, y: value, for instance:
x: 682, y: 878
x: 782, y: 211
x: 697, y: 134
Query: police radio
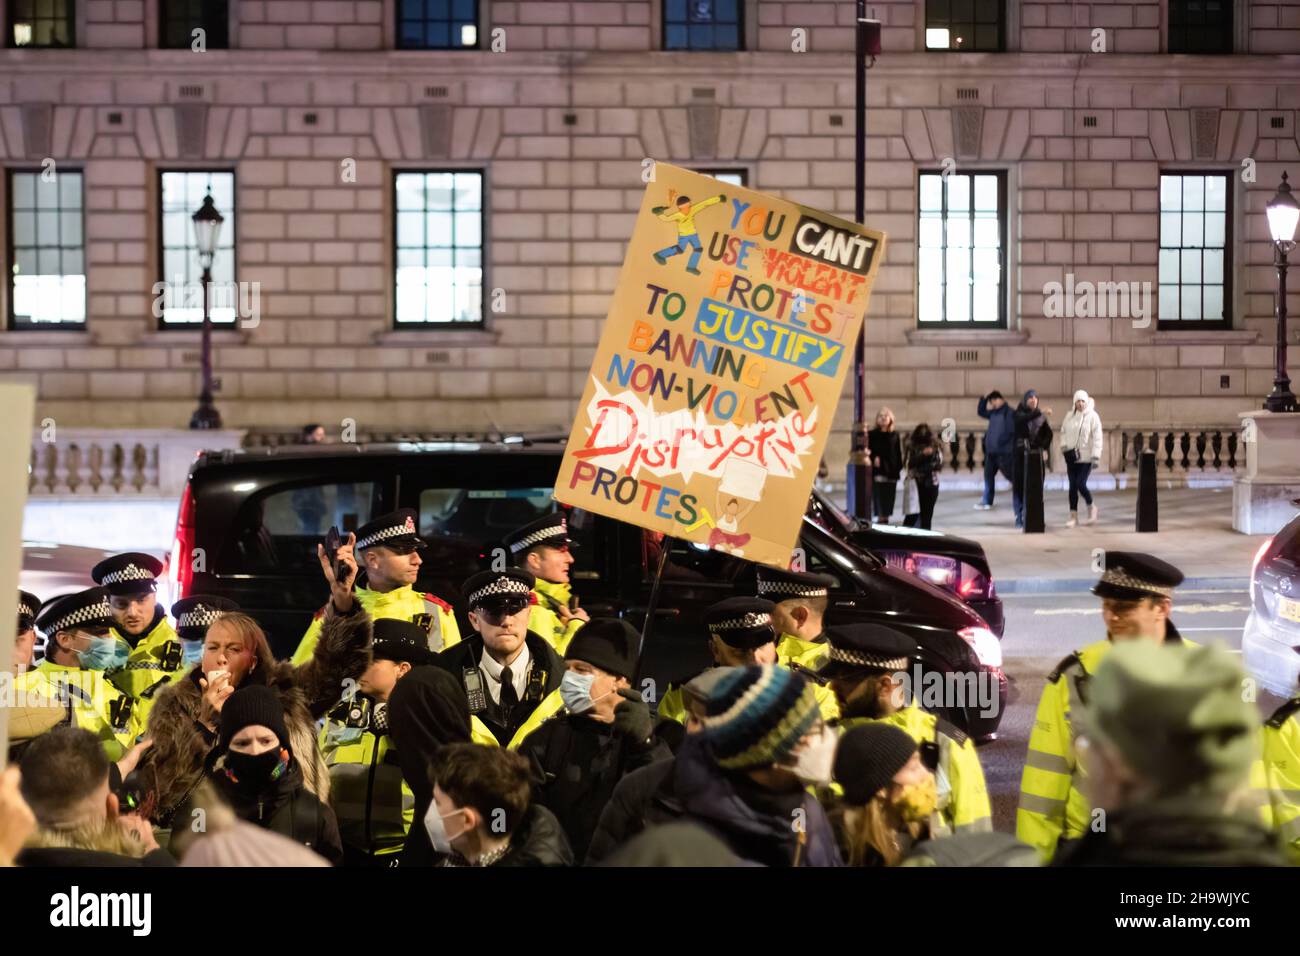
x: 473, y: 681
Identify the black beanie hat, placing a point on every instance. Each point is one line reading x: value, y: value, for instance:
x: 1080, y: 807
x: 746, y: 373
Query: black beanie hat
x: 253, y: 704
x: 867, y: 758
x: 605, y: 642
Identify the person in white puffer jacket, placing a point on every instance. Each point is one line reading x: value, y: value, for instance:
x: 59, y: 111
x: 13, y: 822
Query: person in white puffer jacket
x: 1081, y: 446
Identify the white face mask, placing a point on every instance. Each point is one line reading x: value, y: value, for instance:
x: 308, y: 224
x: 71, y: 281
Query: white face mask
x: 437, y: 829
x: 816, y: 761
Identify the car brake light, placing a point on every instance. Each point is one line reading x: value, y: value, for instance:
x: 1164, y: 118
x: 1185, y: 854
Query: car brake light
x: 985, y: 644
x: 1254, y: 566
x: 180, y: 564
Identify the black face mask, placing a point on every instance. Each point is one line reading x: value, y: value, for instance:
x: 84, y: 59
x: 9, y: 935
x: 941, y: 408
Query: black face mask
x: 252, y: 773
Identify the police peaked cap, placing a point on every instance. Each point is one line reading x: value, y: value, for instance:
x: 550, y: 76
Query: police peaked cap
x: 396, y: 529
x: 84, y: 610
x: 131, y: 573
x: 1131, y: 576
x: 867, y: 647
x: 551, y: 531
x: 29, y: 605
x: 742, y: 622
x: 195, y: 614
x: 778, y: 584
x: 490, y: 584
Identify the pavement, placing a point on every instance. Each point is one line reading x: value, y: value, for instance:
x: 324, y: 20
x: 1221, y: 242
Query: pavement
x: 1196, y: 535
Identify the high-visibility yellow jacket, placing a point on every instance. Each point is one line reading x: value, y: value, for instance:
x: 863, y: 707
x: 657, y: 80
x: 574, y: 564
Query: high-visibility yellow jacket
x: 155, y: 661
x: 402, y: 604
x: 963, y: 797
x: 544, y: 618
x: 549, y: 706
x: 97, y: 705
x: 673, y: 706
x: 1281, y: 773
x: 796, y: 650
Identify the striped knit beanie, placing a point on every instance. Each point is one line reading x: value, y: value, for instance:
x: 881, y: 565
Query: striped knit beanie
x: 756, y: 716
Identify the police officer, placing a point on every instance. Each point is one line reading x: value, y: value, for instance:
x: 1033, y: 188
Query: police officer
x: 155, y: 659
x: 194, y: 615
x: 1136, y: 592
x: 1280, y: 768
x: 390, y: 549
x: 541, y: 548
x: 29, y: 605
x: 742, y: 632
x: 866, y: 667
x: 507, y: 670
x: 801, y: 599
x: 82, y: 645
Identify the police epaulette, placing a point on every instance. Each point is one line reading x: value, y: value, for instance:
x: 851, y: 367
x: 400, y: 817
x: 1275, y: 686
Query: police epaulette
x: 434, y: 599
x: 1283, y: 713
x: 1062, y: 667
x: 951, y: 731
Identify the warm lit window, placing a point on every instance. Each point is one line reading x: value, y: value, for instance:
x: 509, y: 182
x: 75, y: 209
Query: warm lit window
x: 437, y: 24
x: 963, y: 25
x: 41, y: 23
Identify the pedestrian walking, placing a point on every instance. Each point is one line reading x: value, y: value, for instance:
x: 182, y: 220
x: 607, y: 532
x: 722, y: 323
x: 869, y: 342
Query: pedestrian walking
x: 1033, y: 435
x: 999, y: 442
x: 1081, y: 448
x: 887, y: 464
x: 924, y: 460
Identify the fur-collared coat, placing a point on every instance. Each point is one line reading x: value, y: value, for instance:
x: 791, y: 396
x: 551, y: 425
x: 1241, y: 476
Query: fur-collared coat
x: 174, y: 765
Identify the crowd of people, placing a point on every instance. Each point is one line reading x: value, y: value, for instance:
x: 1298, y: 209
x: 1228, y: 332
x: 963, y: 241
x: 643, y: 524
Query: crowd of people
x: 389, y: 739
x: 1012, y: 436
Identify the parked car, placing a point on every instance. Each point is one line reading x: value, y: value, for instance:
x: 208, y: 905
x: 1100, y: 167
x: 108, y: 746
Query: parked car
x: 1272, y: 634
x: 957, y: 565
x: 250, y: 521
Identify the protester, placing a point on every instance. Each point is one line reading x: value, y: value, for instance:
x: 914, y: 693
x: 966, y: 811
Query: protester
x: 1167, y: 740
x: 889, y: 795
x: 798, y: 613
x: 194, y: 615
x: 29, y: 605
x: 185, y: 719
x: 744, y: 777
x: 924, y: 460
x: 605, y: 731
x: 245, y: 844
x: 65, y: 781
x: 673, y: 844
x: 886, y: 462
x: 1032, y: 436
x: 257, y: 773
x: 866, y: 670
x: 1081, y: 449
x: 427, y: 710
x: 483, y: 813
x: 541, y: 548
x: 999, y: 443
x: 1136, y: 592
x: 508, y: 670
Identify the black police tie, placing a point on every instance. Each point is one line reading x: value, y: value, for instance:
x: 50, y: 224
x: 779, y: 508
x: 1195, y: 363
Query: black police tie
x: 509, y: 699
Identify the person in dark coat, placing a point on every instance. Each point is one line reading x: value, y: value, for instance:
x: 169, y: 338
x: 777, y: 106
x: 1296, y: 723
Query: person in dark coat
x: 256, y: 772
x: 427, y: 710
x: 742, y: 776
x: 604, y: 731
x: 886, y: 463
x: 924, y: 461
x: 1032, y: 435
x: 999, y: 442
x: 483, y: 812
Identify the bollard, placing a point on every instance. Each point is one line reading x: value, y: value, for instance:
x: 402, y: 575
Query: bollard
x: 1148, y: 510
x: 1034, y: 491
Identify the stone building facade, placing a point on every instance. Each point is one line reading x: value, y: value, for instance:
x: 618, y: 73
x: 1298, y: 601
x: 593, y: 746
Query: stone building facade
x: 560, y: 122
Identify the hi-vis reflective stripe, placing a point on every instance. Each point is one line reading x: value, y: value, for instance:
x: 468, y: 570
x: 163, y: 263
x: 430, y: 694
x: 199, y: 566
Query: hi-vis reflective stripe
x: 982, y: 825
x: 1048, y: 806
x: 1054, y: 763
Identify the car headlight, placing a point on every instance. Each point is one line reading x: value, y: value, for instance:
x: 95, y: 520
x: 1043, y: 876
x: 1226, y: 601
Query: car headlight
x: 985, y: 643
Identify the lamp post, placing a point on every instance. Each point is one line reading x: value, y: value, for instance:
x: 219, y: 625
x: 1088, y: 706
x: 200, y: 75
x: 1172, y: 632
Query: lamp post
x: 1283, y: 214
x: 859, y: 476
x: 207, y: 227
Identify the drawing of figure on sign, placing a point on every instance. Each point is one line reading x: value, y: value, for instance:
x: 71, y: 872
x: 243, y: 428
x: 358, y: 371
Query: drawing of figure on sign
x: 683, y: 212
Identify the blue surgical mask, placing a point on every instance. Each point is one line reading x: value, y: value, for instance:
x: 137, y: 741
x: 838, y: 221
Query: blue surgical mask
x: 191, y: 652
x: 575, y: 691
x: 105, y: 654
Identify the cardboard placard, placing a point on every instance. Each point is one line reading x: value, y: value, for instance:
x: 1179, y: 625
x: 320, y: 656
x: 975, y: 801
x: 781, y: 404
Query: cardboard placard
x: 720, y: 366
x: 19, y: 403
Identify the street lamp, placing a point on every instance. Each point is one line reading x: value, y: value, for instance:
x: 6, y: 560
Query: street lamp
x: 1283, y: 215
x: 859, y: 490
x: 207, y: 227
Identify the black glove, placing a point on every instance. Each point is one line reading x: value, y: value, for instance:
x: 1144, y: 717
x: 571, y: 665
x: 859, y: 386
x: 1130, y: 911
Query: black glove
x: 632, y: 718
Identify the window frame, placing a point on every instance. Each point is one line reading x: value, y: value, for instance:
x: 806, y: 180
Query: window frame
x: 1200, y: 325
x: 1003, y: 323
x: 12, y: 324
x: 162, y: 324
x: 162, y: 27
x: 1229, y: 32
x: 1002, y: 31
x: 740, y: 47
x: 716, y: 171
x: 477, y: 20
x: 482, y: 323
x: 11, y: 17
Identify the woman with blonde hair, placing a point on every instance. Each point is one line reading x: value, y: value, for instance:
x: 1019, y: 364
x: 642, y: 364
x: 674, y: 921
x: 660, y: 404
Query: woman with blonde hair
x: 887, y: 463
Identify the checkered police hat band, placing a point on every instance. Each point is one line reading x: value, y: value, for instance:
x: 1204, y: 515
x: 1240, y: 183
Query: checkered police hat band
x: 757, y: 619
x: 859, y: 659
x: 198, y: 617
x: 383, y: 534
x: 26, y: 610
x: 791, y: 589
x: 1118, y: 578
x: 499, y: 586
x: 95, y: 612
x: 129, y: 573
x: 539, y: 536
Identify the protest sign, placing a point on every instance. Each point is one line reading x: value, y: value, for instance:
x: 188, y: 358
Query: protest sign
x: 720, y: 366
x: 15, y: 433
